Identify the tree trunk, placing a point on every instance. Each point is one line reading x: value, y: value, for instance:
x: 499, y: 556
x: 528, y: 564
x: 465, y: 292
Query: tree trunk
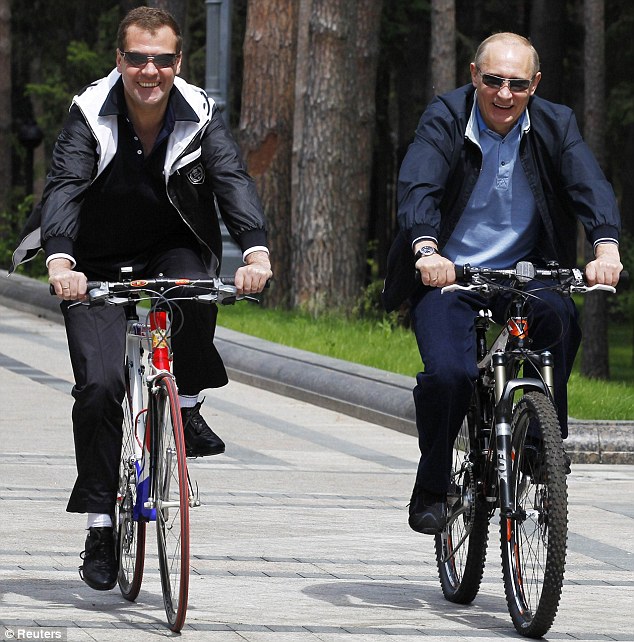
x: 595, y: 361
x: 333, y: 129
x: 5, y: 105
x: 179, y: 10
x: 443, y: 45
x: 266, y: 125
x: 547, y: 20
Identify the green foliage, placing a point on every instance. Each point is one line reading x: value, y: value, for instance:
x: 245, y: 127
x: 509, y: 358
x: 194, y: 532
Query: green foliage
x: 11, y: 222
x: 83, y: 65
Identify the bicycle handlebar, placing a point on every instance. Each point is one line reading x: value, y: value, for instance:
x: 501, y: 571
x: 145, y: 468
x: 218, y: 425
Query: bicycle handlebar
x: 219, y: 290
x: 483, y: 279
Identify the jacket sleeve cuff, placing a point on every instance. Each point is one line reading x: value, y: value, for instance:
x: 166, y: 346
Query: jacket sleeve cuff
x: 252, y: 238
x: 419, y: 232
x: 604, y: 234
x: 58, y: 245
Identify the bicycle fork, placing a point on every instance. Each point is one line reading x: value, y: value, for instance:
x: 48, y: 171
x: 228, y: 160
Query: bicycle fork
x: 504, y: 395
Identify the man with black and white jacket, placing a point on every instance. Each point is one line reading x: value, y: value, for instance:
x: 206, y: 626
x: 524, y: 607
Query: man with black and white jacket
x: 137, y: 172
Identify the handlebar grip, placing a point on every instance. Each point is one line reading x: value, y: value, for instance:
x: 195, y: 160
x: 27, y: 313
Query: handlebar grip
x: 90, y: 285
x: 460, y: 271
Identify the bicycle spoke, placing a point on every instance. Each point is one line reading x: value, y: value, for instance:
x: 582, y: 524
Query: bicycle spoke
x: 172, y: 504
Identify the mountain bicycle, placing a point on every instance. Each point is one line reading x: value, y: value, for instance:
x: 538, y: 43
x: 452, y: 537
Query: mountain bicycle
x: 154, y: 482
x: 509, y: 456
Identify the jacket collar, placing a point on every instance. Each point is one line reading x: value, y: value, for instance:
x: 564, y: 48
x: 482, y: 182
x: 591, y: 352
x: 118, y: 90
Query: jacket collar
x: 472, y: 131
x: 115, y: 105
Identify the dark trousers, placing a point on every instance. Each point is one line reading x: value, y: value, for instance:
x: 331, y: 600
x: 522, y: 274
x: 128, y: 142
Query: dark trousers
x: 96, y: 341
x: 444, y: 328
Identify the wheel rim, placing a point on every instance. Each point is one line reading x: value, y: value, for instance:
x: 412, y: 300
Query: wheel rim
x: 460, y: 499
x: 130, y: 533
x: 172, y: 512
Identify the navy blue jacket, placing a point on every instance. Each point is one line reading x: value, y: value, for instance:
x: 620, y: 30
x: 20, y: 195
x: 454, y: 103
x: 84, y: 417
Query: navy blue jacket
x: 441, y: 168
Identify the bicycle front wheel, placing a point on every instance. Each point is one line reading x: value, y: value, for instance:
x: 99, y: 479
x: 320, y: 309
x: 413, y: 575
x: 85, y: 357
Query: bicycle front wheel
x: 171, y: 493
x: 130, y: 530
x: 534, y: 538
x: 461, y: 547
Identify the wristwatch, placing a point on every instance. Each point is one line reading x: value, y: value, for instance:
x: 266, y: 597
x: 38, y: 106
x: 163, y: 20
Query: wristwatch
x: 426, y: 250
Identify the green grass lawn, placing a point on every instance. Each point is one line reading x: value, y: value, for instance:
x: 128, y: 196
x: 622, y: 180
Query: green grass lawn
x: 377, y: 344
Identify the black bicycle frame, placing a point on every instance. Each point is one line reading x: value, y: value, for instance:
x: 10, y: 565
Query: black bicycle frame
x: 502, y: 364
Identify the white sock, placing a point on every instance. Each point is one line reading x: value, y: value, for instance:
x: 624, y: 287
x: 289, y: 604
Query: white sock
x: 188, y: 401
x: 98, y: 520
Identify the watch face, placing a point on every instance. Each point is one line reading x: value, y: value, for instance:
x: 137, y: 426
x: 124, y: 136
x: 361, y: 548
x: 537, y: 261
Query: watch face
x: 426, y: 250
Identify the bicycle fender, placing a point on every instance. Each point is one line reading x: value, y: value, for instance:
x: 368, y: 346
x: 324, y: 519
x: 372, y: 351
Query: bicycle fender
x: 504, y: 407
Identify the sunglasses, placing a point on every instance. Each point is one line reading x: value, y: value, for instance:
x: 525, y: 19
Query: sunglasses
x: 135, y: 59
x: 515, y: 84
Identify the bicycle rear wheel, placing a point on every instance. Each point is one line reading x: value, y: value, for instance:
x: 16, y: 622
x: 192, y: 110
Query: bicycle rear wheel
x: 130, y: 531
x: 171, y: 493
x: 461, y: 547
x: 534, y: 541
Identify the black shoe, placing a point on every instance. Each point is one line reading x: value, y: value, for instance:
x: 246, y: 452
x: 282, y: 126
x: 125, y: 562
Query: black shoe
x: 427, y: 511
x: 200, y: 439
x: 100, y: 568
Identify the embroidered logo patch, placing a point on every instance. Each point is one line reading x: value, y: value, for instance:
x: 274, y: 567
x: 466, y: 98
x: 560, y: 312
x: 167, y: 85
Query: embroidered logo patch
x: 196, y: 175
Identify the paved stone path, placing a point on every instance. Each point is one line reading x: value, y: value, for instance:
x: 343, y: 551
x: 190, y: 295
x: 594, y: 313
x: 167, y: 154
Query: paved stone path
x: 302, y: 535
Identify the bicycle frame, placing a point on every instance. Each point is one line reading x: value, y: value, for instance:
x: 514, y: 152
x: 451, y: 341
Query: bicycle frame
x: 499, y: 367
x: 153, y: 334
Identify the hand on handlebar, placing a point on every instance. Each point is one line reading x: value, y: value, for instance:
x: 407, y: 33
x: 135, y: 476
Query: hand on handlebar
x: 436, y: 271
x: 252, y: 277
x: 68, y: 284
x: 606, y: 267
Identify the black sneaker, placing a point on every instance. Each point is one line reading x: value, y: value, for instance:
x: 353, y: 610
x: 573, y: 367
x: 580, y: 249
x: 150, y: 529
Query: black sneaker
x: 427, y: 511
x: 100, y: 568
x: 200, y: 439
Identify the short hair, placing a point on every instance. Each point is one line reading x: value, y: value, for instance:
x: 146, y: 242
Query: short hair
x: 149, y: 19
x: 511, y: 38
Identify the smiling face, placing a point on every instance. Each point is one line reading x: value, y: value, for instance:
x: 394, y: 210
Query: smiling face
x: 501, y: 108
x: 147, y: 87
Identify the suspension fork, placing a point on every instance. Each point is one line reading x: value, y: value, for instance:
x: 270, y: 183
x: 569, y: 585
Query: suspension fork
x: 505, y: 391
x: 503, y: 411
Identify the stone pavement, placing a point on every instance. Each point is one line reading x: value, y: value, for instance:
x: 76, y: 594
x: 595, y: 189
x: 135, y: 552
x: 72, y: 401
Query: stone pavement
x: 302, y: 535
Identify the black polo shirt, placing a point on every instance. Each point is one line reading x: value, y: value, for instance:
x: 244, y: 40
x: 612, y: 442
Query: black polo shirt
x: 126, y: 217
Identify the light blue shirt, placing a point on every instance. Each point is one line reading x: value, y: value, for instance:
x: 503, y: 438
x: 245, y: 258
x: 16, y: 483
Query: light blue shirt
x: 500, y: 224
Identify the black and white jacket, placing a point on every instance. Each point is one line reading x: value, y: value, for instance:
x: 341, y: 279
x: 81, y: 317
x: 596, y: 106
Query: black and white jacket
x: 203, y: 171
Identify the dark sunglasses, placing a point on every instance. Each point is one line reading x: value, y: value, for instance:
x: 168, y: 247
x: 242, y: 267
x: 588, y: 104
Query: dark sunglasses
x: 135, y: 59
x: 515, y: 84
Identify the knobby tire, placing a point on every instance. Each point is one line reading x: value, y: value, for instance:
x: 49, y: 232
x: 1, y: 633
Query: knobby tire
x: 534, y: 542
x: 461, y: 547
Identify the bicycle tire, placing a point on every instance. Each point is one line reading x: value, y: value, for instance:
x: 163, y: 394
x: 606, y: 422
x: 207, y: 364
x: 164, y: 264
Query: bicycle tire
x: 461, y: 547
x: 171, y: 494
x: 130, y: 531
x: 534, y: 543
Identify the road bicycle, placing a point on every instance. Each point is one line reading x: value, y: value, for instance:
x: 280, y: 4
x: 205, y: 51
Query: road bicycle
x: 509, y: 457
x: 154, y: 483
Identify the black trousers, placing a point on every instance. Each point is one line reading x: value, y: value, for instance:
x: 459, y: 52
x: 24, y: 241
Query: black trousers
x: 96, y: 341
x: 444, y: 328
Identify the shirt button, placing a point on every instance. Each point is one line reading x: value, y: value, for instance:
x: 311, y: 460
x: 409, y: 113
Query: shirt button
x: 503, y: 163
x: 138, y: 151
